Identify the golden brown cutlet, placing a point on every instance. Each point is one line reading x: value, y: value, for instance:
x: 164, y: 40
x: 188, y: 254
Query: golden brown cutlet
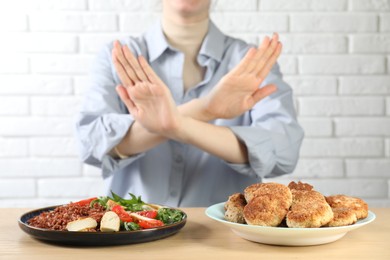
x: 248, y: 191
x: 342, y: 217
x: 234, y: 208
x: 271, y: 188
x: 347, y: 209
x: 299, y: 186
x: 268, y: 205
x: 309, y: 209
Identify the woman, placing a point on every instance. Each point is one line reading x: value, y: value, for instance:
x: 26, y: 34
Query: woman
x: 199, y: 127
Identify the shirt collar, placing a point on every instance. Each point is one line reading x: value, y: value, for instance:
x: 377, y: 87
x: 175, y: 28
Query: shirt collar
x: 155, y: 41
x: 211, y: 46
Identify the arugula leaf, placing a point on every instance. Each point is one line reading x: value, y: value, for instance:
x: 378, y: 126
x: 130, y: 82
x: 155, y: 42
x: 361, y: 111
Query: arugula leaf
x: 133, y: 204
x: 100, y: 200
x: 169, y: 216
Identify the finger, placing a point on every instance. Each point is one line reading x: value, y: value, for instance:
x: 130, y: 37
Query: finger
x: 134, y: 63
x: 263, y: 92
x: 124, y: 96
x: 122, y: 59
x: 125, y: 79
x: 244, y: 63
x: 259, y: 53
x: 267, y: 54
x: 270, y: 63
x: 152, y: 76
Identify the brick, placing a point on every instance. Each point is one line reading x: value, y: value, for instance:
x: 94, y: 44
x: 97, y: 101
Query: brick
x: 55, y: 106
x: 303, y: 85
x: 388, y: 64
x: 61, y: 64
x: 13, y: 147
x: 125, y: 5
x: 36, y: 126
x: 14, y: 106
x: 53, y: 146
x: 378, y: 203
x: 339, y: 147
x: 233, y: 5
x: 341, y: 106
x: 347, y: 23
x: 137, y: 22
x: 94, y: 43
x: 39, y: 167
x: 314, y: 44
x: 34, y: 202
x: 251, y: 22
x: 319, y: 168
x: 363, y: 188
x: 373, y: 126
x: 35, y: 84
x: 370, y: 43
x: 13, y: 22
x: 249, y: 38
x: 17, y: 188
x: 14, y: 64
x: 340, y: 64
x: 46, y: 5
x: 71, y: 22
x: 59, y: 187
x: 370, y: 5
x: 384, y: 22
x: 364, y: 85
x: 369, y: 168
x: 303, y: 5
x: 316, y: 126
x: 80, y: 85
x: 41, y: 42
x: 288, y: 65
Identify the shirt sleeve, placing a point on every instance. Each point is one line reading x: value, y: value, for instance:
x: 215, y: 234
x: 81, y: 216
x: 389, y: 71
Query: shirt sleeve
x: 274, y: 137
x: 103, y: 120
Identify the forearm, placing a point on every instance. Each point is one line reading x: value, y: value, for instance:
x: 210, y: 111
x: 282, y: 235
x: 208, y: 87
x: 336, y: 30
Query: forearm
x: 138, y: 139
x: 216, y: 140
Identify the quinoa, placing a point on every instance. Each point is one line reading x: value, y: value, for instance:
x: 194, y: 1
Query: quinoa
x: 58, y: 218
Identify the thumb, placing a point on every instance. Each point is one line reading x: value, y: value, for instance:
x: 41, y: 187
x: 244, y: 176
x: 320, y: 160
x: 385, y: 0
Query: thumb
x: 122, y: 92
x: 263, y: 92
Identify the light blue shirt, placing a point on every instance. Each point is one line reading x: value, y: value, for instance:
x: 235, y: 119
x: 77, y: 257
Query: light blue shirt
x: 173, y: 173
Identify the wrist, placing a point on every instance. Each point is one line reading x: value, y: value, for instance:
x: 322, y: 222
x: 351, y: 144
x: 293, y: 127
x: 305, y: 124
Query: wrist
x: 119, y: 154
x: 197, y: 109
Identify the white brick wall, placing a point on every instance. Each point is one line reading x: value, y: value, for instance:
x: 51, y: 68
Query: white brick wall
x: 336, y: 58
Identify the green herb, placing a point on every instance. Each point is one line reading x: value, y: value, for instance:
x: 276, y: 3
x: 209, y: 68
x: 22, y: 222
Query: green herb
x: 169, y: 216
x: 100, y: 200
x: 133, y: 204
x: 130, y: 226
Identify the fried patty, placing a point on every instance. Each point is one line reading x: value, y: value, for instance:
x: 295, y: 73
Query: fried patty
x: 309, y: 209
x: 347, y: 210
x: 234, y: 208
x: 259, y: 189
x: 299, y: 186
x: 268, y: 204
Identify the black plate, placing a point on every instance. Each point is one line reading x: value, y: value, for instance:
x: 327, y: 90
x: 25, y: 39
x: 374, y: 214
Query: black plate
x: 96, y: 238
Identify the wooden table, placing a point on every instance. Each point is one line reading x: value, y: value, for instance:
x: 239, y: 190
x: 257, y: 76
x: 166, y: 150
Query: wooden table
x: 201, y: 238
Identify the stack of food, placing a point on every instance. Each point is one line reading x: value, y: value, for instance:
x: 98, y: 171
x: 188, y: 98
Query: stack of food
x: 297, y: 205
